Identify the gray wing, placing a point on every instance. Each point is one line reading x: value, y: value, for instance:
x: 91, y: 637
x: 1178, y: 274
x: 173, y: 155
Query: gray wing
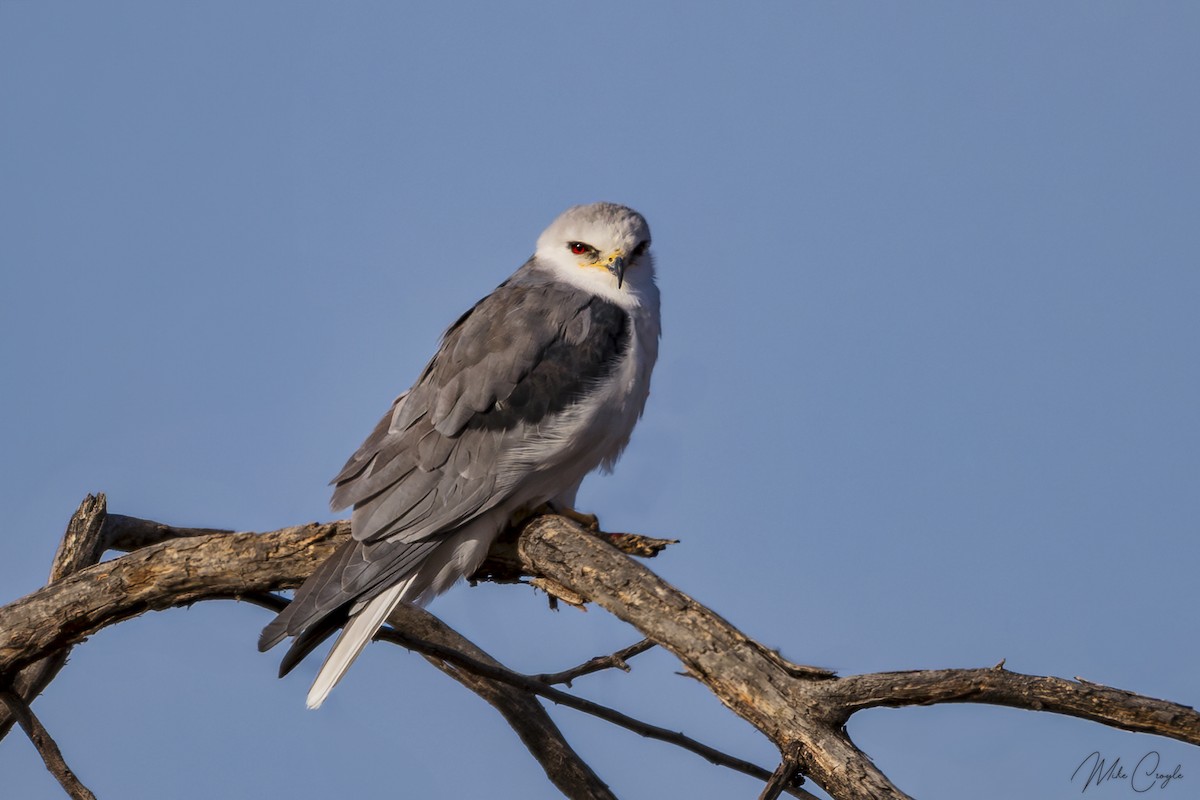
x: 522, y: 354
x: 525, y: 352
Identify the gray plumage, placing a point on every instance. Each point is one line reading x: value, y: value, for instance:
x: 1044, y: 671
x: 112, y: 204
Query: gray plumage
x: 537, y: 385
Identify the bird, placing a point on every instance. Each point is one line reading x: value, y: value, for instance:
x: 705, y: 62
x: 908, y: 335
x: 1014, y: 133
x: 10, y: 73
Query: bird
x: 537, y: 385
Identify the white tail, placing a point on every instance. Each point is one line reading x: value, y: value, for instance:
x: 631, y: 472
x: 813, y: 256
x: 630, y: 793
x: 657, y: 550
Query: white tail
x: 353, y: 639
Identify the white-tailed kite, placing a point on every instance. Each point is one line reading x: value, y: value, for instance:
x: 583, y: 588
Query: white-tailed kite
x: 536, y: 386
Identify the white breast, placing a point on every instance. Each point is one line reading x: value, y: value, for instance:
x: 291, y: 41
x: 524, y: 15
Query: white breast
x: 557, y: 455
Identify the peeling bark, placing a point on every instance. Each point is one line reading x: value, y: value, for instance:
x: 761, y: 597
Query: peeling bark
x: 802, y: 709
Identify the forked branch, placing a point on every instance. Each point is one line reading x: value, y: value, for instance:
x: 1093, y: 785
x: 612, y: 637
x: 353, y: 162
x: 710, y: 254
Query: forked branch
x: 802, y: 709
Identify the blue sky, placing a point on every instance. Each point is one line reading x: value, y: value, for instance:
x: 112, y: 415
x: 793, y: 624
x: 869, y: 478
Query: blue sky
x: 927, y: 396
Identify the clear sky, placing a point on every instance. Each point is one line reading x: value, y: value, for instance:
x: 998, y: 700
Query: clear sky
x: 928, y: 394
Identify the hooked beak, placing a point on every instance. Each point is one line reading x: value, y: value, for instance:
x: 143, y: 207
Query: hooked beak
x: 616, y: 265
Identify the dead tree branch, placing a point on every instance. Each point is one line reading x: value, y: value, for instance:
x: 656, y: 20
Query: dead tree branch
x: 45, y: 744
x: 803, y: 710
x: 615, y: 660
x: 998, y: 686
x: 780, y: 779
x: 453, y: 656
x: 522, y: 711
x: 81, y: 546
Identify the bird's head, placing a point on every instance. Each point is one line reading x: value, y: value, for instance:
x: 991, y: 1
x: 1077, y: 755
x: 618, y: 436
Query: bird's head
x: 602, y: 246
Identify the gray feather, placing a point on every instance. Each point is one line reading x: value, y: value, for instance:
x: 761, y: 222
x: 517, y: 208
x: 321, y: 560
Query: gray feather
x: 455, y: 447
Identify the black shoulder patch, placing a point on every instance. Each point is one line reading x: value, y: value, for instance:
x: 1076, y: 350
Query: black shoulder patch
x: 584, y: 352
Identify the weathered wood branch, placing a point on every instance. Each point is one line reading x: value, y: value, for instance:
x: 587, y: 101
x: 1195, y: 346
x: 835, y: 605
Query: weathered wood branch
x: 45, y: 744
x: 158, y: 577
x: 617, y: 660
x: 780, y: 779
x: 81, y: 546
x: 770, y: 693
x: 524, y: 714
x: 92, y: 531
x: 803, y: 710
x: 197, y: 565
x: 998, y: 686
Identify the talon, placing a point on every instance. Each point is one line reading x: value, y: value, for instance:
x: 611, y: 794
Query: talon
x: 589, y: 521
x: 556, y: 591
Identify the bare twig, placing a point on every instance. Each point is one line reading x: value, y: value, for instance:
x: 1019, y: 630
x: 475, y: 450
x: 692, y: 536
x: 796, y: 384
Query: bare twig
x: 45, y: 745
x: 612, y: 661
x: 524, y: 714
x: 535, y: 686
x: 130, y: 533
x: 780, y: 780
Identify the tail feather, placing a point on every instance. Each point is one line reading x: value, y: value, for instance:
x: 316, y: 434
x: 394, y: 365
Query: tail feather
x: 311, y: 602
x: 312, y: 638
x: 353, y: 638
x: 355, y: 570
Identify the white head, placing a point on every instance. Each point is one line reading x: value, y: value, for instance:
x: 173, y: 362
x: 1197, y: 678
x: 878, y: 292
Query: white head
x: 603, y: 248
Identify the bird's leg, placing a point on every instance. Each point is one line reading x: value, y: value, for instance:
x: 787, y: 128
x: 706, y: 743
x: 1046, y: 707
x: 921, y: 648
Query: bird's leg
x: 589, y: 521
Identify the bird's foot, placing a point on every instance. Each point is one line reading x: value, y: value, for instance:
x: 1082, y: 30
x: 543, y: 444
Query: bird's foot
x: 556, y: 592
x: 589, y: 521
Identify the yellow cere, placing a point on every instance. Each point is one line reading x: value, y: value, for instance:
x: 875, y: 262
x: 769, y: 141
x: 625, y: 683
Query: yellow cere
x: 602, y: 263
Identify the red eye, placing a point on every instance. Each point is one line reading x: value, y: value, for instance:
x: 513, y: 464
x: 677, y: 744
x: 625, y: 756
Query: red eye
x: 579, y: 248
